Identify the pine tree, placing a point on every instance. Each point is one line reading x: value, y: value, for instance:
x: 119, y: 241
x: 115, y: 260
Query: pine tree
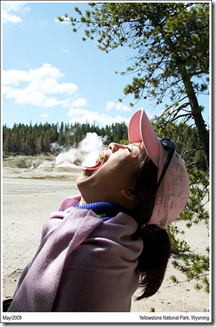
x: 171, y: 41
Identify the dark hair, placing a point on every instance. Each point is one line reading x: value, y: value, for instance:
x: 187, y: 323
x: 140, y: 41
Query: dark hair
x: 153, y: 260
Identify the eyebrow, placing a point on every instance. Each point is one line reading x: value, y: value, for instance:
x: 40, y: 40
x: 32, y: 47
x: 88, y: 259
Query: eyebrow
x: 137, y: 145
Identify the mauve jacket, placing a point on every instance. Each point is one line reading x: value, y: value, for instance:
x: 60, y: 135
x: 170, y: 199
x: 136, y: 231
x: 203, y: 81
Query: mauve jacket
x: 82, y: 264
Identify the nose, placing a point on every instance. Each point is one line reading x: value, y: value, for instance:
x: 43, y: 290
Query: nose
x: 115, y: 146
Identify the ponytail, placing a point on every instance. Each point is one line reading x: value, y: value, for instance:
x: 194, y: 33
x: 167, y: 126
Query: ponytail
x: 153, y: 260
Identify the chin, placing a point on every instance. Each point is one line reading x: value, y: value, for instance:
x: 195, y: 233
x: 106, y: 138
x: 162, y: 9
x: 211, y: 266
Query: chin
x: 84, y: 178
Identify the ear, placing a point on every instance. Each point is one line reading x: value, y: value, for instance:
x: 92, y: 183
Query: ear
x: 128, y: 194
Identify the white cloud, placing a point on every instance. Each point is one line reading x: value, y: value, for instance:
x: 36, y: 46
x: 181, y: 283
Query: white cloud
x: 40, y: 81
x: 74, y: 112
x: 35, y: 98
x: 78, y: 103
x: 44, y: 115
x: 15, y: 76
x: 82, y: 116
x: 5, y: 89
x: 10, y: 18
x: 110, y: 105
x: 51, y: 102
x: 51, y: 86
x: 8, y: 7
x: 47, y: 70
x: 119, y: 106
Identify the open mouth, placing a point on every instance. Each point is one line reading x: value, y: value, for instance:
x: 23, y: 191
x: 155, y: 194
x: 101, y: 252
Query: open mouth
x: 98, y: 164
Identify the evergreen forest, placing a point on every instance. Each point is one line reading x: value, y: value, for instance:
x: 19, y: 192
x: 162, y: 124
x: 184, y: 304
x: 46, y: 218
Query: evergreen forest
x: 36, y: 139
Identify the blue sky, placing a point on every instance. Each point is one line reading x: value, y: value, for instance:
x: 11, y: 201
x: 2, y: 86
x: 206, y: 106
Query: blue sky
x: 50, y: 75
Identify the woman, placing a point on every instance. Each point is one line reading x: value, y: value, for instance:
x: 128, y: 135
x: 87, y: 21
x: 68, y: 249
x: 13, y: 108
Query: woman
x: 99, y: 244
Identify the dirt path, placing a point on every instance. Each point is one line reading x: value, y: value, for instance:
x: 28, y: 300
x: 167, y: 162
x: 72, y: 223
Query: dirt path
x: 27, y: 204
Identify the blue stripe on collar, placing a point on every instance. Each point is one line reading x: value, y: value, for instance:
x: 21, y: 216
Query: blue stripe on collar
x: 105, y: 209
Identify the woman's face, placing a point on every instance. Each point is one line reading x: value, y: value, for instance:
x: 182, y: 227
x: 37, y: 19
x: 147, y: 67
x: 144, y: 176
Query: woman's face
x: 114, y: 175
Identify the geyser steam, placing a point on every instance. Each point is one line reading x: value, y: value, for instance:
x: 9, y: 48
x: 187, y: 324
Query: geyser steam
x: 88, y: 150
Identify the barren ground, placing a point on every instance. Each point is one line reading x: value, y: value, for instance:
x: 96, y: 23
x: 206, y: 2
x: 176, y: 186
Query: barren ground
x: 35, y: 186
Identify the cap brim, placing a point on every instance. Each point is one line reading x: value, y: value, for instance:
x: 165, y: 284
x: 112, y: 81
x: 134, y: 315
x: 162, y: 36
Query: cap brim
x: 140, y: 130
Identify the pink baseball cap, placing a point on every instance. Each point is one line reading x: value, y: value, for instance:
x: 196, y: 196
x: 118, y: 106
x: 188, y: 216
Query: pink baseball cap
x: 173, y: 192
